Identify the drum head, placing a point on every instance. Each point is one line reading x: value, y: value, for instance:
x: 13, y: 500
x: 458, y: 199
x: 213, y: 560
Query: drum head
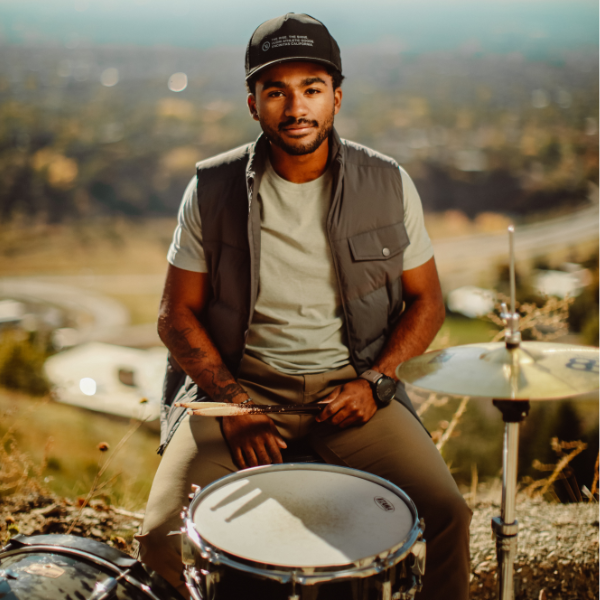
x: 303, y: 516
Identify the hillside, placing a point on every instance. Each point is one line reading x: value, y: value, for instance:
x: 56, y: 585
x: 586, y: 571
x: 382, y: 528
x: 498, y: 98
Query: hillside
x: 557, y: 557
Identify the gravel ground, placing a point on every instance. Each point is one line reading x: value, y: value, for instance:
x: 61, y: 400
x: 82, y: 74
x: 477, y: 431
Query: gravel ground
x: 557, y: 557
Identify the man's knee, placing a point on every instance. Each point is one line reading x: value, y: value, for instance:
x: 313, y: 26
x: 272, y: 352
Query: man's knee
x: 448, y: 513
x: 162, y: 553
x: 459, y: 513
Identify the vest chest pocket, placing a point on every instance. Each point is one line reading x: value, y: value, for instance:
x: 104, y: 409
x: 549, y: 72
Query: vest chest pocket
x: 379, y: 244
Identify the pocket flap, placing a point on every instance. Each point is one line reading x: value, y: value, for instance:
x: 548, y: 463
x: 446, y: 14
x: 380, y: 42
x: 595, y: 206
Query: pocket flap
x: 379, y: 244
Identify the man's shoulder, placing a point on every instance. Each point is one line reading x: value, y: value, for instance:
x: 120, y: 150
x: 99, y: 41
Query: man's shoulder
x: 358, y: 154
x: 227, y: 162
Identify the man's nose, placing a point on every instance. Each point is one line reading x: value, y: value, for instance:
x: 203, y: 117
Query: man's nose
x: 295, y: 106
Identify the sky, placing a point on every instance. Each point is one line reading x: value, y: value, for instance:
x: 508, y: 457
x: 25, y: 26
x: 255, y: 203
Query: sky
x: 526, y: 26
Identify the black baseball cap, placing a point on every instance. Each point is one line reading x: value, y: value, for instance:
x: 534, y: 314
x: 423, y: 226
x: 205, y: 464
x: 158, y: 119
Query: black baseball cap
x: 291, y: 37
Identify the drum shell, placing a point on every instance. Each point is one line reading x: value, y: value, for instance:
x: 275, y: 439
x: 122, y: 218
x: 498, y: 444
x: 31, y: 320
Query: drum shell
x: 221, y: 576
x: 224, y: 582
x: 66, y: 567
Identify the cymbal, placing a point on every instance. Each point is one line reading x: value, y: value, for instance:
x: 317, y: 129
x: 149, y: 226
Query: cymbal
x: 532, y: 371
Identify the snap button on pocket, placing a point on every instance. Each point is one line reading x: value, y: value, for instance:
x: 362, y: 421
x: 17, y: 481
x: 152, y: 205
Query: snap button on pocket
x: 385, y: 251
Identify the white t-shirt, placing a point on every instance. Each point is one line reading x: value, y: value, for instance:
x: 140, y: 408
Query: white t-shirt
x: 298, y: 323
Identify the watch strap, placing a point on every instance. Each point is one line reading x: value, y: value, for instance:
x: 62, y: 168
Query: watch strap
x: 371, y: 376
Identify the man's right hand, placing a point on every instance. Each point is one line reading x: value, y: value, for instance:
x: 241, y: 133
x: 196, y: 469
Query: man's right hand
x: 253, y: 440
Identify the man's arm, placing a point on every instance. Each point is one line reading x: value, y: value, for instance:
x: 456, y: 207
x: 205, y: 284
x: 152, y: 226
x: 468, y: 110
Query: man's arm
x: 253, y: 440
x: 353, y: 403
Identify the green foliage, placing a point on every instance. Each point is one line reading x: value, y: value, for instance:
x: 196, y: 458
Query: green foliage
x: 22, y: 363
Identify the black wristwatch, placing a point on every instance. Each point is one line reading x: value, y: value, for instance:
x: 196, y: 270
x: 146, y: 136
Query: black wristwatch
x: 384, y: 387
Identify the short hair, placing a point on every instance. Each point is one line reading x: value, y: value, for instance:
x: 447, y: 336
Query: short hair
x: 336, y: 78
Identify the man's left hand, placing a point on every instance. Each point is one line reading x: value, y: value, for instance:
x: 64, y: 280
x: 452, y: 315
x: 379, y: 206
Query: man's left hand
x: 349, y: 404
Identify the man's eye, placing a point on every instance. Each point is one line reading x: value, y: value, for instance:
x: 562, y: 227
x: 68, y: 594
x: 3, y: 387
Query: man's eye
x: 313, y: 91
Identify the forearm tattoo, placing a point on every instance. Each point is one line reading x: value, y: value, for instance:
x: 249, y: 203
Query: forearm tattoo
x: 215, y: 380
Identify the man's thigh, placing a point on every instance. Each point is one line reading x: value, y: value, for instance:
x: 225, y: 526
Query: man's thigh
x: 392, y: 445
x: 198, y: 455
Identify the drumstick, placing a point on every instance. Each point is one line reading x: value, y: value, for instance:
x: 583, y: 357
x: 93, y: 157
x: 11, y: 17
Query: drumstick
x: 226, y: 409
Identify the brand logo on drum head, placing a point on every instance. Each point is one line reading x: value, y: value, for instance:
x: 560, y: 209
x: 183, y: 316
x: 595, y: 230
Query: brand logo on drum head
x: 45, y: 570
x: 384, y: 504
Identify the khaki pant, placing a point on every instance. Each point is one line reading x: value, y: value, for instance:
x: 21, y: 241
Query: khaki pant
x: 392, y: 445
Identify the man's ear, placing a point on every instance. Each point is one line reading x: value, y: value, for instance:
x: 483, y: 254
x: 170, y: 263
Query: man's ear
x: 252, y: 106
x: 337, y: 100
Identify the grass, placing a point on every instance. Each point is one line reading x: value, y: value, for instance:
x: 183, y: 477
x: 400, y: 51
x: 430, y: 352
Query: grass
x: 65, y: 439
x: 101, y: 246
x: 458, y: 330
x: 143, y: 308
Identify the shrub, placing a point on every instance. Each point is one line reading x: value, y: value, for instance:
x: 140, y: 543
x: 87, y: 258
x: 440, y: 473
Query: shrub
x: 22, y: 363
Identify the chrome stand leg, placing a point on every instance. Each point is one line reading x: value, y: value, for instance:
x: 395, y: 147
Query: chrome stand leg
x: 506, y: 527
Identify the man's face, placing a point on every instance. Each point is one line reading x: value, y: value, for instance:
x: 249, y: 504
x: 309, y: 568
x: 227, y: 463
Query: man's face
x: 295, y: 104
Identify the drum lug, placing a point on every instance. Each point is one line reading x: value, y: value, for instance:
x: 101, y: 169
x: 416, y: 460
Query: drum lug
x: 201, y: 583
x: 193, y: 583
x: 418, y: 552
x: 386, y: 590
x: 415, y: 571
x: 195, y: 490
x: 187, y: 550
x: 294, y: 595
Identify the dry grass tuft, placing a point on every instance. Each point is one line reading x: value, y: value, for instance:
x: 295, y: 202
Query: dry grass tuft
x: 545, y: 323
x: 98, y: 486
x: 561, y: 471
x: 432, y: 400
x: 18, y: 473
x: 594, y: 490
x: 451, y: 426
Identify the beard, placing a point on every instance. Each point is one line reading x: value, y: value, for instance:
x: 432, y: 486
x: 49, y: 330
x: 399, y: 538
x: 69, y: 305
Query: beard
x: 300, y: 148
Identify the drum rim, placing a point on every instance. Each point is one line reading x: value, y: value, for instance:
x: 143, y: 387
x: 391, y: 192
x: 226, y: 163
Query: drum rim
x: 122, y: 572
x: 362, y: 568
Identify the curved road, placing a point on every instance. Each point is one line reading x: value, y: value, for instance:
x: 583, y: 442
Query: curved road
x: 97, y: 316
x: 464, y: 260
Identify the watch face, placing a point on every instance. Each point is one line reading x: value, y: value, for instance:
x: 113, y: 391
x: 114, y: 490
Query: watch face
x: 386, y: 388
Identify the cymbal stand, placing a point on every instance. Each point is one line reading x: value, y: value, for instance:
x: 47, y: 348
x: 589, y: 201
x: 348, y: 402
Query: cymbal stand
x: 506, y: 527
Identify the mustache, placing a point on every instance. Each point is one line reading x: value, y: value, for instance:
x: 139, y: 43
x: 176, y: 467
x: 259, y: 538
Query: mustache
x: 294, y: 121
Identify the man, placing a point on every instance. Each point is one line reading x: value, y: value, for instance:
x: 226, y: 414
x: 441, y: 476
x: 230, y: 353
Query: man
x: 301, y: 271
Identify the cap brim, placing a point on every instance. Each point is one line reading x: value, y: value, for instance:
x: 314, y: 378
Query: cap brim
x: 321, y: 61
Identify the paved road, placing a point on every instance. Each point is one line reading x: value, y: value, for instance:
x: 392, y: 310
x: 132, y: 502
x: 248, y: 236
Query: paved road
x: 98, y: 316
x: 463, y: 260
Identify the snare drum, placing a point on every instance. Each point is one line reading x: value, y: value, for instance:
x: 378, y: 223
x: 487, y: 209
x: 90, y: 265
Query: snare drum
x: 302, y: 532
x: 63, y: 567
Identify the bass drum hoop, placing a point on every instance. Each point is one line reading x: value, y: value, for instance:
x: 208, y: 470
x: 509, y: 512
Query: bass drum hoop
x: 366, y: 567
x: 122, y: 572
